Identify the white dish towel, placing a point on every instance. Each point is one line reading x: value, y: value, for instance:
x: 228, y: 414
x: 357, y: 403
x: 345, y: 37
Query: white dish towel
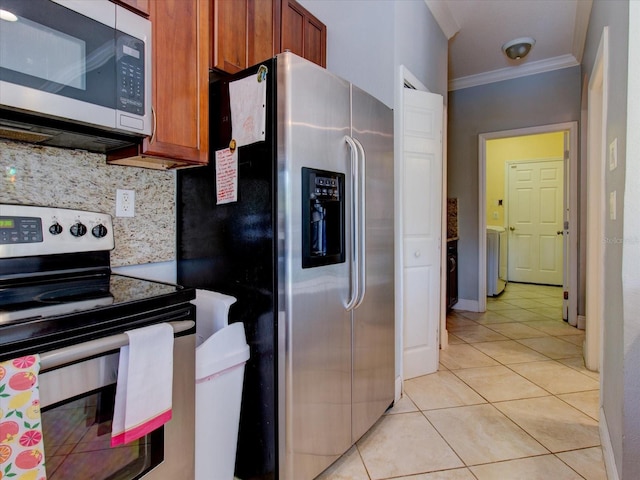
x: 145, y: 381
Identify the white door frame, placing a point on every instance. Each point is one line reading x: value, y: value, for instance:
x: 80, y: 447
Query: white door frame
x: 572, y: 127
x: 596, y: 159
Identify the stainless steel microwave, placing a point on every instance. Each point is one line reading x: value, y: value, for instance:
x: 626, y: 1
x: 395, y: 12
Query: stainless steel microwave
x: 83, y: 62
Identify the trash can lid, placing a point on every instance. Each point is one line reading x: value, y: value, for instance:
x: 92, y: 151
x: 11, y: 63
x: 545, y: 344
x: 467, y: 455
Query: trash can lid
x: 223, y: 350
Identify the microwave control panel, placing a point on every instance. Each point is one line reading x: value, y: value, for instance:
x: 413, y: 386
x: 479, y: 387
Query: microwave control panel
x: 130, y: 73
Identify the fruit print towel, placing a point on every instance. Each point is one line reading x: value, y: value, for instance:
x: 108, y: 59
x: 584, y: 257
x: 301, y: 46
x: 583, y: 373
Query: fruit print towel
x: 145, y: 383
x: 21, y: 446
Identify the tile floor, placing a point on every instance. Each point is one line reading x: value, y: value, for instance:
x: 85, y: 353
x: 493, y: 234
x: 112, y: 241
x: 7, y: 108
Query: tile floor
x: 511, y: 400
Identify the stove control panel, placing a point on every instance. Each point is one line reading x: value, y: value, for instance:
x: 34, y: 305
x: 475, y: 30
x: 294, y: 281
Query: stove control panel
x: 27, y: 230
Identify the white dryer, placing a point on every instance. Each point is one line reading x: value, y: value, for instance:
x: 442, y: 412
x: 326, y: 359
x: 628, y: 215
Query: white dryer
x: 496, y: 260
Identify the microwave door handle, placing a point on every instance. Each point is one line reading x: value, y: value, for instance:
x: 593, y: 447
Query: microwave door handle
x: 92, y: 348
x: 361, y: 205
x: 355, y: 259
x: 155, y: 124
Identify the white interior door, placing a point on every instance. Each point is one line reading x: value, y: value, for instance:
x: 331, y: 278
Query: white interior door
x: 535, y: 216
x: 421, y: 197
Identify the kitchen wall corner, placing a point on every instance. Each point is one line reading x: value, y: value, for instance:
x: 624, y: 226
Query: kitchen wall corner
x: 55, y: 177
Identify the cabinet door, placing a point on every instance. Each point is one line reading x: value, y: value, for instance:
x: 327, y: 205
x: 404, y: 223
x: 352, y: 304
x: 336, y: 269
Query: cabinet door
x: 229, y: 35
x: 180, y: 79
x: 302, y: 33
x: 315, y: 41
x: 140, y: 6
x: 180, y: 89
x: 263, y: 27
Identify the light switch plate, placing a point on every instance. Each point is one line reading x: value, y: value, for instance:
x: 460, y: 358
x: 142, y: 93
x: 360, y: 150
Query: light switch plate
x: 613, y: 154
x: 612, y: 205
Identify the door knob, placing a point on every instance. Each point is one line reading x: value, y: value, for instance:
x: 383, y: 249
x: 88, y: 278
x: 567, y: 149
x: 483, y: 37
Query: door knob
x: 512, y: 228
x: 560, y: 232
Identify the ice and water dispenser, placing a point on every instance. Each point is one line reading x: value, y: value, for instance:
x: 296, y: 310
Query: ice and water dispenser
x: 323, y: 213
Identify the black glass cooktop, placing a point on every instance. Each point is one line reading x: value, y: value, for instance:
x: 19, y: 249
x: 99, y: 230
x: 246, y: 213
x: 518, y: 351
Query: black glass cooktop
x: 50, y: 313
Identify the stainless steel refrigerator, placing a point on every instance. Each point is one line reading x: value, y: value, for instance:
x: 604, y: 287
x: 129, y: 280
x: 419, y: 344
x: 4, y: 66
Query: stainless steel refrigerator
x: 307, y: 249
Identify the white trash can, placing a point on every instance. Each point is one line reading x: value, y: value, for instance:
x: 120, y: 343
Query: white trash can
x: 220, y: 361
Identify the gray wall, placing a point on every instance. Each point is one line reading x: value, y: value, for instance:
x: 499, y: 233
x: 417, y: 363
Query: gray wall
x: 359, y: 46
x: 543, y: 99
x: 415, y: 27
x: 617, y: 371
x: 368, y: 40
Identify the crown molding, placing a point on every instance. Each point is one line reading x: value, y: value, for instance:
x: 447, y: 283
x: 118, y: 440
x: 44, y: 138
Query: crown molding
x: 444, y: 17
x: 509, y: 73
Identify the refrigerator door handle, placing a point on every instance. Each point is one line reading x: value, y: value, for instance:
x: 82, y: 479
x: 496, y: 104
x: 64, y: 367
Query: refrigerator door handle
x: 355, y: 257
x: 361, y: 204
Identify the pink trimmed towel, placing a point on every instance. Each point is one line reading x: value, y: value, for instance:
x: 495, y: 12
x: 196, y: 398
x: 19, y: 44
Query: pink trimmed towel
x: 145, y: 384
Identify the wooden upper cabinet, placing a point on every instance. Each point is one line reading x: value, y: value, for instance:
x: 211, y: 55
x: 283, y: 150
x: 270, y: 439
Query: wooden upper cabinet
x: 229, y: 35
x: 244, y: 32
x: 139, y: 6
x: 263, y: 18
x: 302, y: 33
x: 180, y: 88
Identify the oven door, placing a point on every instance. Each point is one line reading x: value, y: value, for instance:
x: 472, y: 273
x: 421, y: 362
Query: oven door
x: 77, y: 392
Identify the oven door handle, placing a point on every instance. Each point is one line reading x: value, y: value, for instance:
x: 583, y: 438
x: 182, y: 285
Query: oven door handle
x: 92, y: 348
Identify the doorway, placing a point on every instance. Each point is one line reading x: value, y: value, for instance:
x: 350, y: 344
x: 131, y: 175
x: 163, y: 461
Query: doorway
x: 487, y: 213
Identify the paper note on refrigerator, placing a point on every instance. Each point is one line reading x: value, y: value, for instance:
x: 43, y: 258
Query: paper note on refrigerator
x: 226, y: 176
x: 248, y: 101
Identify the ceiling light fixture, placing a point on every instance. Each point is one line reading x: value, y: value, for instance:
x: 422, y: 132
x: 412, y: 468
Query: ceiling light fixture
x: 518, y: 48
x: 8, y: 16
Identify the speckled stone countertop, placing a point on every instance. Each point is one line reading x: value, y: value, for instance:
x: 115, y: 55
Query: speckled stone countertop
x: 452, y: 218
x: 55, y: 177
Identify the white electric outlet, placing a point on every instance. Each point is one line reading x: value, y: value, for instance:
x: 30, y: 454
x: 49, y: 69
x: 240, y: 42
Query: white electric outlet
x: 125, y: 203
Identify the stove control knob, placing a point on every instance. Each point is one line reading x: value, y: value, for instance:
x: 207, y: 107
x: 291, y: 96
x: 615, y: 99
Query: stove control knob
x: 55, y: 229
x: 99, y: 231
x: 78, y: 229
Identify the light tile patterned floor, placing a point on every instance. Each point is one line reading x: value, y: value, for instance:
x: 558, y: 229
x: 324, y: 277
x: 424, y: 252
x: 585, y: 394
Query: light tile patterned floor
x: 512, y: 400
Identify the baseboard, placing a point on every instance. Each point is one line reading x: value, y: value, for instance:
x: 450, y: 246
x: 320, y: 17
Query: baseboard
x: 398, y: 393
x: 607, y: 448
x: 467, y: 305
x: 582, y: 322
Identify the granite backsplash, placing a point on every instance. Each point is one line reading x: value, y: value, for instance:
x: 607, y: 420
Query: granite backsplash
x: 452, y: 218
x: 56, y: 177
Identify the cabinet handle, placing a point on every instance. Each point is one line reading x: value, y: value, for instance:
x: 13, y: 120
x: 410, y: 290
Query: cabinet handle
x: 417, y: 253
x: 155, y: 124
x: 512, y: 228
